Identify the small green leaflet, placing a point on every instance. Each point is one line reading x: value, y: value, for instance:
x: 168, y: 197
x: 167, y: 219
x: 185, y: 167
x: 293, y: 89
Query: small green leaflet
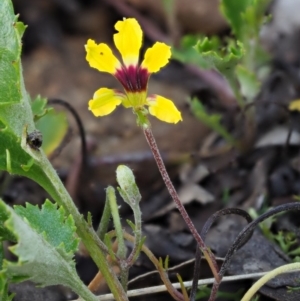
x: 5, y: 234
x: 213, y: 121
x: 4, y: 295
x: 38, y: 107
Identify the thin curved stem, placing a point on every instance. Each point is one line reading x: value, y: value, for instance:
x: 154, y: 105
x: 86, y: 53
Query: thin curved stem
x: 203, y: 233
x: 243, y: 236
x: 161, y: 166
x: 291, y: 267
x: 74, y: 113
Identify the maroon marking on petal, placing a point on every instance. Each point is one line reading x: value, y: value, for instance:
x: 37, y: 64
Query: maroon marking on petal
x: 133, y: 78
x: 122, y: 78
x: 143, y: 76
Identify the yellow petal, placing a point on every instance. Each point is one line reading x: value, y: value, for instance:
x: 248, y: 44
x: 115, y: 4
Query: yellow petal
x: 163, y: 109
x: 101, y: 57
x: 104, y: 101
x: 156, y: 57
x: 295, y: 105
x: 128, y: 40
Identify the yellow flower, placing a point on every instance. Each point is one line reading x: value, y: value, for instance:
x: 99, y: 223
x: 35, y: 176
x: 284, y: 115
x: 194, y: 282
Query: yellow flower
x: 133, y: 76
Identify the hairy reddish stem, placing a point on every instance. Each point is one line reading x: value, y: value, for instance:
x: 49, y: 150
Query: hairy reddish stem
x: 161, y: 166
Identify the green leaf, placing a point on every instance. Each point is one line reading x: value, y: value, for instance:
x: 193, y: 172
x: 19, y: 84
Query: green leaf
x: 245, y: 17
x: 131, y: 224
x: 53, y: 126
x: 15, y: 105
x: 223, y: 59
x: 16, y: 160
x: 10, y: 90
x: 209, y: 53
x: 233, y: 10
x: 187, y: 53
x: 38, y: 259
x: 254, y: 17
x: 4, y: 295
x: 52, y: 222
x: 166, y: 263
x: 213, y: 121
x: 249, y: 84
x: 15, y: 111
x: 10, y: 51
x: 38, y: 107
x: 11, y: 31
x: 5, y: 234
x: 139, y: 248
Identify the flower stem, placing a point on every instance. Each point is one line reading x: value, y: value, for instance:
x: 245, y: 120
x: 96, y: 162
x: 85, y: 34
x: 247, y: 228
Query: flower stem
x: 161, y: 166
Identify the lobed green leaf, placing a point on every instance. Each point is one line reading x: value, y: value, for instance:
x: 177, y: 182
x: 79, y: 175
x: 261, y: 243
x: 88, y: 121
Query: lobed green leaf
x: 52, y: 222
x: 39, y: 260
x: 223, y: 59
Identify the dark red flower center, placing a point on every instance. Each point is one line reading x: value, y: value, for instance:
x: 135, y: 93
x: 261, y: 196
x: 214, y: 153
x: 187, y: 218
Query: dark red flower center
x: 133, y: 78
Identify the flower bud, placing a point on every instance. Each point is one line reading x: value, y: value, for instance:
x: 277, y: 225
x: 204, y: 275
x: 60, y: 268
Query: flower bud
x: 128, y: 188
